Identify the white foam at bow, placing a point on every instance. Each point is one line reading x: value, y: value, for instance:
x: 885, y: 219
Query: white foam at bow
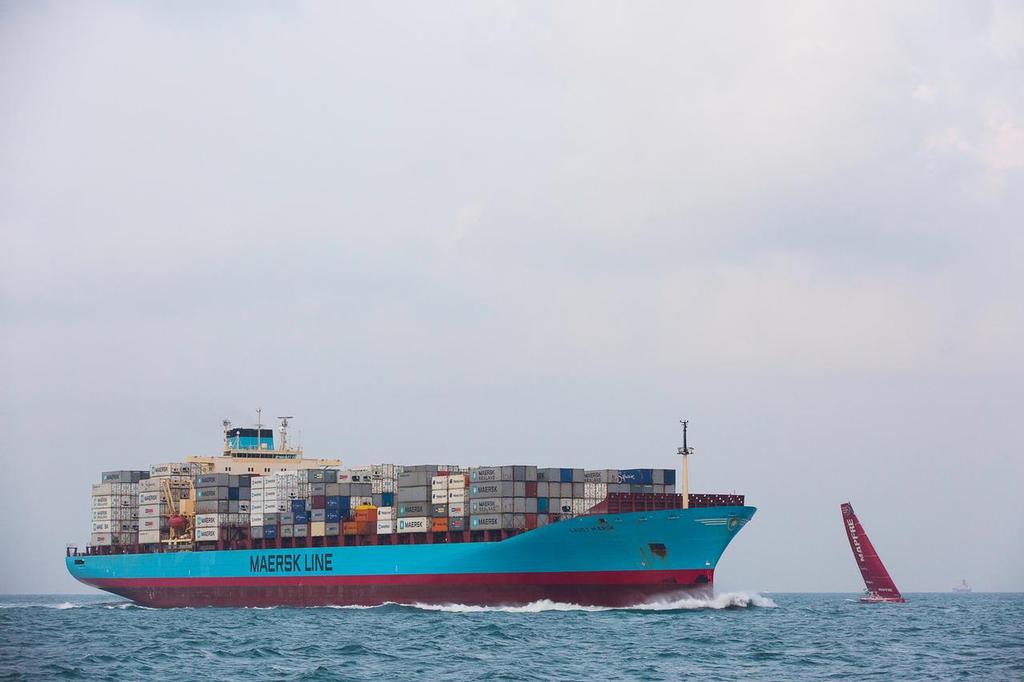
x: 725, y: 600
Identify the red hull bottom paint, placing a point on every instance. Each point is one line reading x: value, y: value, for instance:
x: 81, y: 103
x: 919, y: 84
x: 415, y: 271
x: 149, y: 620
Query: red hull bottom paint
x: 605, y: 588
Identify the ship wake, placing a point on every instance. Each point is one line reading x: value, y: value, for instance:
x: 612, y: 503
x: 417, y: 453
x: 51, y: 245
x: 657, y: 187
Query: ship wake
x: 724, y: 600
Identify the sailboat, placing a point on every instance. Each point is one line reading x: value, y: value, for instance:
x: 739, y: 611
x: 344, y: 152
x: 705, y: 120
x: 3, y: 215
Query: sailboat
x: 879, y: 587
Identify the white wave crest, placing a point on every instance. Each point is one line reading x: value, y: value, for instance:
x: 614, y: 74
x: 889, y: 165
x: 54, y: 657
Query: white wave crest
x: 725, y: 600
x: 37, y: 605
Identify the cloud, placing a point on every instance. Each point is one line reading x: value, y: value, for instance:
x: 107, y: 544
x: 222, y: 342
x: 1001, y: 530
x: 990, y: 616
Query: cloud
x: 787, y: 315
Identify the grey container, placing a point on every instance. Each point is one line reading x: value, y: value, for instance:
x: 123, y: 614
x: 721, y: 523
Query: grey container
x: 332, y: 489
x: 212, y: 507
x: 518, y: 521
x: 287, y: 530
x: 491, y: 505
x: 256, y: 532
x: 287, y: 518
x: 362, y: 489
x: 410, y: 509
x: 332, y: 529
x: 413, y: 479
x: 204, y: 480
x: 519, y: 489
x: 301, y: 530
x: 578, y: 490
x: 531, y: 505
x: 519, y: 472
x: 549, y: 475
x: 413, y: 494
x: 316, y: 476
x: 519, y: 505
x: 212, y: 492
x: 542, y: 489
x: 318, y: 515
x: 484, y: 474
x: 438, y: 510
x: 493, y: 489
x: 579, y: 476
x: 485, y: 522
x: 317, y: 488
x: 658, y: 476
x: 271, y: 519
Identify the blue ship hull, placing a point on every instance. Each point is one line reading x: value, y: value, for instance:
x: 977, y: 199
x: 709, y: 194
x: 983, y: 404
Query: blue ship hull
x: 599, y: 559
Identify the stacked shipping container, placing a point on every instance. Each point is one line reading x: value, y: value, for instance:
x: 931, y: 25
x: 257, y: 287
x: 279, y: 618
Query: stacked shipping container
x: 379, y: 499
x: 115, y: 508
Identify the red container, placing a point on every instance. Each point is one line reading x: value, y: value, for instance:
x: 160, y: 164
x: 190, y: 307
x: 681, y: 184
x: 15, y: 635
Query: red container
x: 531, y: 488
x: 319, y: 502
x: 531, y: 520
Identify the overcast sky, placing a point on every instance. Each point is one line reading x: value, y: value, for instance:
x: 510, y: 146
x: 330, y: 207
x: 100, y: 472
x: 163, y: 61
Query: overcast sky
x: 538, y: 233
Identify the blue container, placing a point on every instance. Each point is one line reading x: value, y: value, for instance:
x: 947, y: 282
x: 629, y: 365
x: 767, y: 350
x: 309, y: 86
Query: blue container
x: 565, y: 475
x: 332, y: 502
x: 298, y: 506
x: 346, y: 503
x: 269, y: 532
x: 332, y: 516
x: 637, y: 476
x: 670, y: 477
x: 387, y: 499
x: 232, y: 493
x: 301, y: 517
x: 542, y: 505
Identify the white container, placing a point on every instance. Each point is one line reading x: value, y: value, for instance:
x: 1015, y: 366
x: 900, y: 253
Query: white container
x: 385, y: 512
x: 565, y: 505
x: 153, y: 510
x: 103, y: 489
x: 100, y: 539
x: 102, y: 526
x: 151, y: 485
x: 457, y: 481
x: 152, y: 523
x: 150, y: 498
x: 580, y: 506
x: 149, y: 536
x: 439, y: 482
x: 457, y: 509
x: 457, y: 495
x: 414, y: 524
x: 385, y: 526
x: 439, y: 496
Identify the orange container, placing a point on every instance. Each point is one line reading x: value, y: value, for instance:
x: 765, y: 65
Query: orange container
x: 350, y: 528
x: 439, y: 524
x: 366, y: 527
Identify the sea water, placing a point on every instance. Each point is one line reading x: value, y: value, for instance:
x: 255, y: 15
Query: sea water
x: 731, y: 636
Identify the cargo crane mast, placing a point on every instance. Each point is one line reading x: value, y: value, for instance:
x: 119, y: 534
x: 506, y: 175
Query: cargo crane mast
x: 181, y: 517
x: 685, y: 452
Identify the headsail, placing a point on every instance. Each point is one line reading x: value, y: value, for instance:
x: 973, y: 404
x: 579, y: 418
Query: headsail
x: 876, y: 579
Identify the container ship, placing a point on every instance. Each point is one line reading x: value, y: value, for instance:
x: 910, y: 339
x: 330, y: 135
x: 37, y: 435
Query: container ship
x: 261, y: 525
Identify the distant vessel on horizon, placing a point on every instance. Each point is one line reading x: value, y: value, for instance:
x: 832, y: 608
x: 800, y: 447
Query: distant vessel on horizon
x: 879, y: 587
x: 963, y: 587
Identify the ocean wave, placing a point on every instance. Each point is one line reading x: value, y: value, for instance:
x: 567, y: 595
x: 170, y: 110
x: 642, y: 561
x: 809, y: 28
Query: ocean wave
x: 37, y: 605
x: 725, y: 600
